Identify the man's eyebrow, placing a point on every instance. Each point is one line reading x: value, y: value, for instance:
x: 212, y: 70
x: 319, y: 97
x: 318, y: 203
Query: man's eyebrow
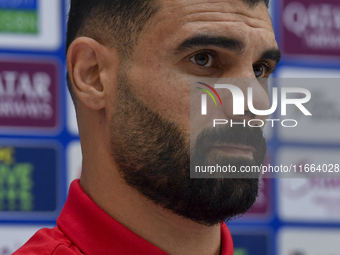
x: 274, y: 54
x: 230, y: 44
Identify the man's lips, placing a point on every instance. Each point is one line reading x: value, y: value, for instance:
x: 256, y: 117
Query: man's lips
x: 236, y: 150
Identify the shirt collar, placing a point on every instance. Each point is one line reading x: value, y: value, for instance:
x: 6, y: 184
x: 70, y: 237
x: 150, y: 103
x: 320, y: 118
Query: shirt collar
x: 95, y: 232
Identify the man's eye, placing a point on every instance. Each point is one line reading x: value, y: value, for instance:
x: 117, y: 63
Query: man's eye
x: 260, y: 70
x: 202, y: 59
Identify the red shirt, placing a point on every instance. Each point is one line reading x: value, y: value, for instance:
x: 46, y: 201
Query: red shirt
x: 84, y: 228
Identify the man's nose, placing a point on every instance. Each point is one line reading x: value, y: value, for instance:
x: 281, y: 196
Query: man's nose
x: 259, y: 99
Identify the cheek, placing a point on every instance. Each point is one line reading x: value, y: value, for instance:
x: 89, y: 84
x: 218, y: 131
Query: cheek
x: 164, y: 91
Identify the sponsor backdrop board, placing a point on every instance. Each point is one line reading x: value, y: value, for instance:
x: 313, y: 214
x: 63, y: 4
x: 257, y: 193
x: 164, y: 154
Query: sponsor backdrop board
x: 13, y: 236
x: 29, y: 95
x: 254, y: 243
x: 32, y: 118
x: 311, y: 241
x: 74, y: 160
x: 29, y: 180
x: 40, y: 152
x: 31, y: 25
x: 310, y: 28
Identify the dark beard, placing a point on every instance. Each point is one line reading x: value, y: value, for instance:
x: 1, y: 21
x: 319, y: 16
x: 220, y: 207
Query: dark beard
x: 153, y: 157
x: 204, y: 153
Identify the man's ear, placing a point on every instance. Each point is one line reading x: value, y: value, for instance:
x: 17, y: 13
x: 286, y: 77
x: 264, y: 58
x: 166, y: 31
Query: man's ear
x: 86, y: 61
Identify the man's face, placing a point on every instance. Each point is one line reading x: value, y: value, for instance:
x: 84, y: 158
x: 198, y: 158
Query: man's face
x: 150, y: 128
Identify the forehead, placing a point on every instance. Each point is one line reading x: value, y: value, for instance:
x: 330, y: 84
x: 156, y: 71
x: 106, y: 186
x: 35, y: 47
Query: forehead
x: 184, y: 18
x: 217, y: 10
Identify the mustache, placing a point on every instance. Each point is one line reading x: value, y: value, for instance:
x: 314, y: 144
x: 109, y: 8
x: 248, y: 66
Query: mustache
x: 224, y: 135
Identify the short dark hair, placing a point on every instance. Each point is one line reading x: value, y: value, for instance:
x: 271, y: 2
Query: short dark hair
x: 120, y: 21
x: 117, y: 22
x: 254, y: 3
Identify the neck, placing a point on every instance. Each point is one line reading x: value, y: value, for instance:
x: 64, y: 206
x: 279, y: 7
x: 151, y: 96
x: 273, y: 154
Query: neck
x: 164, y: 229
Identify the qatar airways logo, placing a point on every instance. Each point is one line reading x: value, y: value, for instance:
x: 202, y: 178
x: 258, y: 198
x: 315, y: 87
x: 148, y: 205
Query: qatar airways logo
x: 239, y: 103
x: 317, y: 24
